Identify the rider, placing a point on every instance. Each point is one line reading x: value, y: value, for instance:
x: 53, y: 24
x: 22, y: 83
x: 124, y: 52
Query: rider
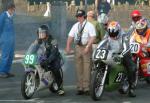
x: 52, y: 53
x: 141, y: 34
x: 118, y: 42
x: 136, y: 16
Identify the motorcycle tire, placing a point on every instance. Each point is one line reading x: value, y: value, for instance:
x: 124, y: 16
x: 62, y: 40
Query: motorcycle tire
x: 28, y: 85
x: 54, y: 87
x: 96, y: 89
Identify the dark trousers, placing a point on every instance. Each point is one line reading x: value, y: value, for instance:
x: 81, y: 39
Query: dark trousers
x: 131, y: 69
x: 58, y: 75
x: 57, y: 71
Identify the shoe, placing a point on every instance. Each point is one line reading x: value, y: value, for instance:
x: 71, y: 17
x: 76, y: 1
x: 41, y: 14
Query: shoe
x: 131, y: 93
x: 87, y: 93
x: 61, y: 92
x: 10, y: 75
x: 3, y: 75
x: 80, y: 92
x: 121, y: 91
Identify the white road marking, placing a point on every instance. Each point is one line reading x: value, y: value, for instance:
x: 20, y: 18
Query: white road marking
x: 35, y: 100
x: 14, y: 88
x: 127, y: 102
x: 21, y: 56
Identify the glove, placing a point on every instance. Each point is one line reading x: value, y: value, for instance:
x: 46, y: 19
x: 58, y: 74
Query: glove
x: 44, y: 64
x: 39, y: 41
x: 117, y: 58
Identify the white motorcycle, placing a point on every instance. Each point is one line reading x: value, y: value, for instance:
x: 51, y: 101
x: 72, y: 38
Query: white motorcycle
x: 36, y: 78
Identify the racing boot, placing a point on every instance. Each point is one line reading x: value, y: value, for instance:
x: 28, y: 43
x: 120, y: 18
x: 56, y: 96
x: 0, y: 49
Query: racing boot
x: 131, y: 93
x: 61, y: 92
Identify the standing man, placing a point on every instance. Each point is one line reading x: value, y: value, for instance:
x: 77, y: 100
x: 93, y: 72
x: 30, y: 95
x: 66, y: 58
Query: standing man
x: 83, y: 33
x: 102, y: 6
x: 7, y: 41
x: 100, y: 31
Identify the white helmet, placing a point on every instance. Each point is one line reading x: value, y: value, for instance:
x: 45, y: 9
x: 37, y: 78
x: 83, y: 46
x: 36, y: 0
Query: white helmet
x: 103, y: 18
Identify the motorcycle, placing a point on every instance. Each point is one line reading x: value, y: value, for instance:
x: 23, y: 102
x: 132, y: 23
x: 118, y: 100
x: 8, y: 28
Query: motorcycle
x: 36, y: 78
x: 142, y: 60
x: 108, y: 73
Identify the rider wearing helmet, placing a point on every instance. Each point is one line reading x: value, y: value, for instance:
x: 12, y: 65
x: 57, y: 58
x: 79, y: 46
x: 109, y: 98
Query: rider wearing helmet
x: 141, y: 34
x: 52, y: 54
x: 136, y: 16
x: 118, y: 43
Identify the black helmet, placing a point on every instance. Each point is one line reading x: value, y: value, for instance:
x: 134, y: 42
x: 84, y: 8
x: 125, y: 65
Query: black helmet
x: 43, y: 28
x: 80, y: 13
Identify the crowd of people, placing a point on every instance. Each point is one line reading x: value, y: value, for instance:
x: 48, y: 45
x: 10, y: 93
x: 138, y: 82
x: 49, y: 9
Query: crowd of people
x: 90, y: 29
x: 112, y: 35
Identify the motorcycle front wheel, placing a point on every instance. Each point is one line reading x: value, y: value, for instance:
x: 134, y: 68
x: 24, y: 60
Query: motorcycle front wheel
x: 97, y: 87
x: 28, y: 85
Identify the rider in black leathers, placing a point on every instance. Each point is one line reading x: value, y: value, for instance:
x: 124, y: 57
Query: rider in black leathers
x: 54, y: 58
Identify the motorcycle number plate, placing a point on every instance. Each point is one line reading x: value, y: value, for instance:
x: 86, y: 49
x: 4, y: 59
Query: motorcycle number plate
x: 101, y: 54
x: 30, y: 59
x: 134, y: 47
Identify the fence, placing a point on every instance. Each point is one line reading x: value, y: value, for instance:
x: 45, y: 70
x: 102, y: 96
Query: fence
x: 39, y: 9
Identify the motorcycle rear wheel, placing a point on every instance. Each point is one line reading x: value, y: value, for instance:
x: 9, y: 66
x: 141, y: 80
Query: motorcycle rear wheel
x: 97, y: 88
x: 28, y: 85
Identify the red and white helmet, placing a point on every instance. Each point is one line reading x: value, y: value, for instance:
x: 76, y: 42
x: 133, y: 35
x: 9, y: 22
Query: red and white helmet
x: 135, y: 13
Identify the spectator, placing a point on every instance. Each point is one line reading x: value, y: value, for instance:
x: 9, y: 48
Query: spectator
x: 83, y: 33
x: 102, y: 6
x: 100, y: 32
x: 7, y: 41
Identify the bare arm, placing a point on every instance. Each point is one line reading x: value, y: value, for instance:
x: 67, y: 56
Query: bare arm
x: 96, y: 5
x: 91, y: 41
x: 69, y: 42
x: 89, y: 45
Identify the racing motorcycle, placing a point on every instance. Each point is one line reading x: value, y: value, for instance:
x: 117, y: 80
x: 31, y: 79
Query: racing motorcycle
x: 107, y: 74
x: 36, y: 78
x: 142, y: 59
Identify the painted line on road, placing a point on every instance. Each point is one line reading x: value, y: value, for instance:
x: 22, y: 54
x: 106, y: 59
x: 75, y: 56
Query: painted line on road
x: 35, y: 100
x: 127, y: 102
x: 21, y: 56
x: 20, y: 61
x: 14, y: 88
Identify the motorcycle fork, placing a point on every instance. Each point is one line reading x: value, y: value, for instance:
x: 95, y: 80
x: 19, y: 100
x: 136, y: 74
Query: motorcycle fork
x: 105, y: 75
